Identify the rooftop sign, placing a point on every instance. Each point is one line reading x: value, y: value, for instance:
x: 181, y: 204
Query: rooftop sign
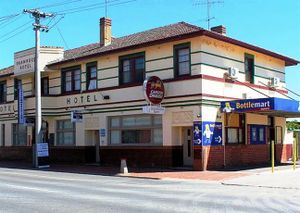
x: 24, y: 60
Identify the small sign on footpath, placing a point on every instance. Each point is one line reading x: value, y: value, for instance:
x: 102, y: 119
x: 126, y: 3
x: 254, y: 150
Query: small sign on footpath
x: 42, y: 150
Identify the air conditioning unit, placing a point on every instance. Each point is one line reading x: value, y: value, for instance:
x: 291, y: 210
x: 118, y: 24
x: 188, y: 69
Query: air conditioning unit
x: 233, y: 72
x: 275, y: 82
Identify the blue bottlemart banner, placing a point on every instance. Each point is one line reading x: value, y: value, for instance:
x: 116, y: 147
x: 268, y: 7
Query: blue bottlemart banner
x: 21, y: 116
x: 211, y: 133
x: 207, y: 133
x: 261, y: 104
x: 197, y: 133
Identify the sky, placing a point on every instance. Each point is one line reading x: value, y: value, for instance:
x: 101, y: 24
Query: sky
x: 271, y: 24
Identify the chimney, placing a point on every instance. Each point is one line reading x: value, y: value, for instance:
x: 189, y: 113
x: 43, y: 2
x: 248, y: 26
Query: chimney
x: 219, y: 29
x: 105, y: 31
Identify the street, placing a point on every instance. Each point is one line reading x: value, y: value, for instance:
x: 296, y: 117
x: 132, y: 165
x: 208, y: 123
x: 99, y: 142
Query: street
x: 46, y: 191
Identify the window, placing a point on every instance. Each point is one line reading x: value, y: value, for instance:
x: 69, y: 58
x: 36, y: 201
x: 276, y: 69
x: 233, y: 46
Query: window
x: 19, y: 135
x: 257, y: 134
x: 235, y: 128
x: 249, y: 68
x: 45, y: 86
x: 182, y: 60
x: 3, y: 92
x: 65, y: 133
x: 136, y: 129
x: 91, y: 76
x: 132, y: 68
x: 71, y: 79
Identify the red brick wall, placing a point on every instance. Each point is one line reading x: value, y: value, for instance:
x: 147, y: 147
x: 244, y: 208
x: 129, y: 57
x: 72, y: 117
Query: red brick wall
x: 284, y: 152
x: 142, y: 156
x: 235, y: 156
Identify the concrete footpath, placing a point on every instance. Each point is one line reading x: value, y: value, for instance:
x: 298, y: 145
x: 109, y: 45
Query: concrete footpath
x: 283, y: 177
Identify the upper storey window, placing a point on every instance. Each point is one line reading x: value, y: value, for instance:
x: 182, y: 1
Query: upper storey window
x: 3, y: 92
x: 91, y: 75
x: 132, y: 68
x: 71, y: 80
x: 182, y: 60
x: 249, y: 68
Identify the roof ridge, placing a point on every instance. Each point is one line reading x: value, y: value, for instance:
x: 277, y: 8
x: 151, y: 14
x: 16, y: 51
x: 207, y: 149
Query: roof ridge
x: 5, y: 68
x: 162, y: 27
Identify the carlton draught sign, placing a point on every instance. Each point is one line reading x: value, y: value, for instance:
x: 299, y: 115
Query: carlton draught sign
x: 154, y: 90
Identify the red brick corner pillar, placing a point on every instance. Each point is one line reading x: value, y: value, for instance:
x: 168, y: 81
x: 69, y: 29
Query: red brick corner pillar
x: 198, y: 163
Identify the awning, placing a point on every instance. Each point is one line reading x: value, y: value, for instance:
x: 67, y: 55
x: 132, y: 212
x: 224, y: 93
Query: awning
x: 269, y: 106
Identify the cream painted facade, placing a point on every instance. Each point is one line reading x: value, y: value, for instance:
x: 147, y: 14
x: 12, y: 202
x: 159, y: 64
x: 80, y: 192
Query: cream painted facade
x: 194, y: 98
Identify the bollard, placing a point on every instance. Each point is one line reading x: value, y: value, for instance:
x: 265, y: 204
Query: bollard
x: 123, y: 169
x: 273, y: 155
x: 294, y: 154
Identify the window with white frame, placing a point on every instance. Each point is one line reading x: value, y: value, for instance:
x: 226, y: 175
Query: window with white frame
x: 91, y: 75
x: 136, y: 129
x: 19, y: 135
x: 3, y: 92
x: 65, y: 130
x: 71, y: 79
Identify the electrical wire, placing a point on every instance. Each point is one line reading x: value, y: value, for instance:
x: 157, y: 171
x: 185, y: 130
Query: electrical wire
x: 12, y: 31
x: 62, y: 37
x: 1, y: 41
x: 59, y: 4
x: 9, y: 21
x: 91, y: 7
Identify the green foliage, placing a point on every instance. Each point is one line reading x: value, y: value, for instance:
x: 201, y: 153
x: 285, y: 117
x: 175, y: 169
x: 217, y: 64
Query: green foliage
x: 292, y: 125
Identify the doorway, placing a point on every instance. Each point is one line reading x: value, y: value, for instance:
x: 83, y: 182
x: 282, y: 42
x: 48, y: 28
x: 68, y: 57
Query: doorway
x: 92, y: 139
x: 188, y: 154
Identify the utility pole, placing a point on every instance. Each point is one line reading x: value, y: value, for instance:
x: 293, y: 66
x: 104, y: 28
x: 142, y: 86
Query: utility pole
x: 38, y: 106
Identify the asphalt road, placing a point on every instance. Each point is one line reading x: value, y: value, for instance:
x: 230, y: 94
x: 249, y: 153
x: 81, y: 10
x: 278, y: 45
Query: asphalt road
x: 43, y: 191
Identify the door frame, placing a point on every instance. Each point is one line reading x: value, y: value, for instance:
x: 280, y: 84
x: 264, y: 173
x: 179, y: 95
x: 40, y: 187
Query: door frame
x: 187, y: 144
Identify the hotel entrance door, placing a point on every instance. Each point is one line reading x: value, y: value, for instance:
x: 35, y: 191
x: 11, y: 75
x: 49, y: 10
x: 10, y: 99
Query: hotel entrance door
x: 188, y: 155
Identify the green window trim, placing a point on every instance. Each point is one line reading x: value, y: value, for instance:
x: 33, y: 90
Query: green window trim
x: 63, y: 78
x: 132, y: 68
x: 176, y: 49
x: 88, y: 75
x: 250, y: 75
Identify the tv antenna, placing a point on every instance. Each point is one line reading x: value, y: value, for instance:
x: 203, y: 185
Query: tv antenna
x: 106, y: 2
x: 208, y: 4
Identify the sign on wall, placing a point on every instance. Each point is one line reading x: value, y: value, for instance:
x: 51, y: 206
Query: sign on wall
x: 261, y: 104
x: 211, y: 133
x: 21, y: 113
x: 76, y: 116
x: 154, y: 90
x: 197, y: 130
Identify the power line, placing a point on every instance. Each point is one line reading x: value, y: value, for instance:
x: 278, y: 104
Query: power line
x: 59, y: 4
x: 9, y: 21
x: 19, y: 27
x: 1, y: 41
x: 92, y: 7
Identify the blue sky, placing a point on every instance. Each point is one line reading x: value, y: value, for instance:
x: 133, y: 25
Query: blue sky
x: 271, y: 24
